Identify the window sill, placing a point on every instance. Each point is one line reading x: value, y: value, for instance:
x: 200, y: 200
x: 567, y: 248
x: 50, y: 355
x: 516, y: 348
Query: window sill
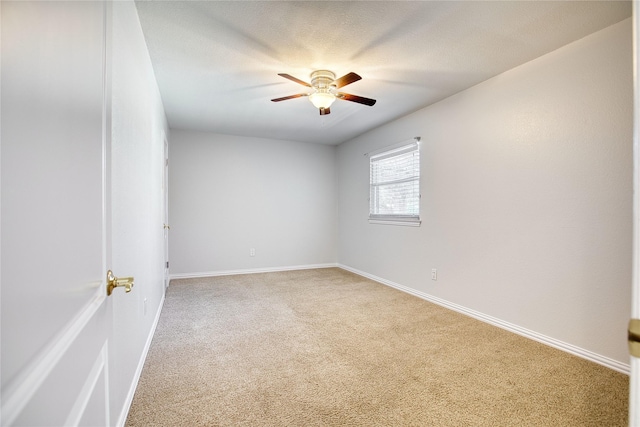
x: 415, y: 223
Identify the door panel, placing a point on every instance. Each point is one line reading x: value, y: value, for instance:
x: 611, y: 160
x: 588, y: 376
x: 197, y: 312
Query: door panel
x: 59, y: 396
x: 91, y: 407
x: 54, y: 313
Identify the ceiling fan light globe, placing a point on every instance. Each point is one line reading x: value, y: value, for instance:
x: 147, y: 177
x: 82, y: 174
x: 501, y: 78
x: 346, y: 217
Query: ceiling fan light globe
x: 321, y: 99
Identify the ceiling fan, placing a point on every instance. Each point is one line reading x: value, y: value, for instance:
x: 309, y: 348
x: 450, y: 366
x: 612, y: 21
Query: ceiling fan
x: 325, y: 85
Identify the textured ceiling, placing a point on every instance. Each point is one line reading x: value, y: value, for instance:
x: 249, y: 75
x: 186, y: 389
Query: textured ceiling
x: 216, y: 62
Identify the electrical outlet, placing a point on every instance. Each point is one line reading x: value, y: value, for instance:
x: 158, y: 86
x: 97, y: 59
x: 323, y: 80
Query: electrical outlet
x: 252, y: 252
x: 434, y: 274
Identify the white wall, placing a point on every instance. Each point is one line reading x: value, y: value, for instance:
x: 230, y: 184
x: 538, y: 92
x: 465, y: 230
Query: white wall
x: 228, y: 194
x: 138, y: 128
x: 526, y: 197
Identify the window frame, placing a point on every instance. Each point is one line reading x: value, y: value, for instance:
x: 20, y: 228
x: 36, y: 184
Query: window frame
x: 403, y: 219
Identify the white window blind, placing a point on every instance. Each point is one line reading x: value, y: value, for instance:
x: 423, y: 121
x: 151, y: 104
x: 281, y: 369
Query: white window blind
x: 395, y: 184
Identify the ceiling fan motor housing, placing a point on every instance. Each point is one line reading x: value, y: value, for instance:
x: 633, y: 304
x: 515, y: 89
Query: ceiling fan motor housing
x: 323, y: 80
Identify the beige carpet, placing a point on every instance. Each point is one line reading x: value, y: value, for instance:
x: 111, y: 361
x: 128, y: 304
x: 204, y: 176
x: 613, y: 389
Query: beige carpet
x: 329, y: 348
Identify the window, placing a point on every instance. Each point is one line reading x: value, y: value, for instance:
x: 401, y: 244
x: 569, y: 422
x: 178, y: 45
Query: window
x: 394, y: 185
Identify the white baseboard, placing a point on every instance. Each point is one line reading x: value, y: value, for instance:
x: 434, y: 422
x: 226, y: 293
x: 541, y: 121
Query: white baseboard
x: 560, y: 345
x: 249, y: 271
x: 143, y: 357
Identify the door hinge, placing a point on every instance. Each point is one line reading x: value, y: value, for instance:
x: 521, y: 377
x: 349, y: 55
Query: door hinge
x: 167, y: 264
x: 634, y: 337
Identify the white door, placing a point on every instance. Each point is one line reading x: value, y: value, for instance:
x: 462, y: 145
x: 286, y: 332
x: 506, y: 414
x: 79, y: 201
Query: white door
x: 56, y: 315
x: 165, y: 196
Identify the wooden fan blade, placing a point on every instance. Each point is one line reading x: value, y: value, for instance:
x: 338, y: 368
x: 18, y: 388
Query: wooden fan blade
x: 356, y: 98
x: 347, y: 79
x: 284, y: 98
x: 293, y: 79
x: 324, y: 111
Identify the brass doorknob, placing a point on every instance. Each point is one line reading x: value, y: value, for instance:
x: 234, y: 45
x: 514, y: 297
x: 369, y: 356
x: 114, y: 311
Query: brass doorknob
x: 634, y: 337
x: 114, y: 282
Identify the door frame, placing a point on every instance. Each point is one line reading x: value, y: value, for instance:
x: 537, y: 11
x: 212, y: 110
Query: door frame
x: 634, y: 378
